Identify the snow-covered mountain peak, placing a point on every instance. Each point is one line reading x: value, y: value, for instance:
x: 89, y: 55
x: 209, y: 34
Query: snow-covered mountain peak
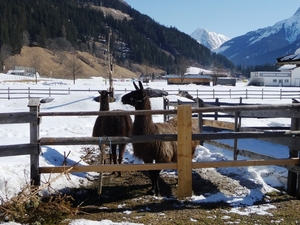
x: 297, y: 13
x: 209, y: 39
x: 263, y: 45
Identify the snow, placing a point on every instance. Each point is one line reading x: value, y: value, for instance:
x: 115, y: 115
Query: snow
x: 14, y: 171
x: 211, y: 40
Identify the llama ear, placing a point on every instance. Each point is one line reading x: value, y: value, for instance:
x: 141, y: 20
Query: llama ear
x: 136, y: 87
x: 141, y: 85
x: 99, y: 92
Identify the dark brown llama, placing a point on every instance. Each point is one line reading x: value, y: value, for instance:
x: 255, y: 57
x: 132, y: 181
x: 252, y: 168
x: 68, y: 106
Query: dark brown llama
x: 160, y: 151
x: 112, y: 126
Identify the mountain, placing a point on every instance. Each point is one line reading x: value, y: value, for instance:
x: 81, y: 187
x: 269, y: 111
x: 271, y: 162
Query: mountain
x: 91, y: 25
x: 264, y: 45
x: 209, y: 39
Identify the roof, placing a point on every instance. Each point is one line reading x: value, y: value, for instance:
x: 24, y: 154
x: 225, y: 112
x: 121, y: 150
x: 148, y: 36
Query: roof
x: 289, y: 59
x: 189, y: 76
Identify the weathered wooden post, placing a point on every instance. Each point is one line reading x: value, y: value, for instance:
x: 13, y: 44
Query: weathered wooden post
x: 166, y: 106
x: 292, y: 176
x: 34, y: 106
x: 102, y: 157
x: 200, y: 104
x: 237, y: 126
x: 236, y: 129
x: 184, y: 158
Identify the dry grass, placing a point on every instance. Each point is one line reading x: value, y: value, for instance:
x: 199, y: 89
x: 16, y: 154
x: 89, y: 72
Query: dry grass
x: 125, y: 199
x: 54, y: 64
x: 28, y: 207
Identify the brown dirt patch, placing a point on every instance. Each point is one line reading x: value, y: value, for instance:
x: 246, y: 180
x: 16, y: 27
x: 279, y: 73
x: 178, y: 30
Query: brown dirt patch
x: 125, y: 199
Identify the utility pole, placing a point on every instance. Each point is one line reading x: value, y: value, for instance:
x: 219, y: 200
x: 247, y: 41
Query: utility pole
x: 110, y: 66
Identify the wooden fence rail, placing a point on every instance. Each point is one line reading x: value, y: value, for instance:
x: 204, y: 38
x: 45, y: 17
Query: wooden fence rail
x: 291, y: 138
x: 235, y: 93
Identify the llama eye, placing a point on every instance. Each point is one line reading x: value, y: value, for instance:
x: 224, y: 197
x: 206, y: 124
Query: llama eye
x: 131, y: 99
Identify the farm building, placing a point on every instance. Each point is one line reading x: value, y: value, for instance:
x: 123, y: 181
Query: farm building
x: 289, y: 59
x: 23, y: 71
x: 189, y: 79
x: 271, y: 78
x: 202, y: 79
x: 226, y: 81
x: 288, y: 75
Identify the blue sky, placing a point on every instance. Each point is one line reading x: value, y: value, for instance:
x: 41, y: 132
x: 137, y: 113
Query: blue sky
x: 229, y: 17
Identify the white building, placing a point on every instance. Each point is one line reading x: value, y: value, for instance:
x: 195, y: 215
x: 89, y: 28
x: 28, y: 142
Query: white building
x: 288, y: 76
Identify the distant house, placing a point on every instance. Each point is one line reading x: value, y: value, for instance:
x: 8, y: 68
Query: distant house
x: 201, y: 79
x: 288, y: 75
x: 23, y: 71
x: 189, y: 79
x: 270, y: 78
x: 17, y: 72
x: 289, y: 59
x: 226, y: 81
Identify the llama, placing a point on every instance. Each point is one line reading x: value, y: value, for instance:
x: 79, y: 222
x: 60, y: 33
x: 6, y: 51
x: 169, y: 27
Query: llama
x: 160, y: 151
x: 112, y: 126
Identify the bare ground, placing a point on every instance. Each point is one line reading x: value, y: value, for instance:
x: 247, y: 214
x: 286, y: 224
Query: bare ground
x: 126, y: 199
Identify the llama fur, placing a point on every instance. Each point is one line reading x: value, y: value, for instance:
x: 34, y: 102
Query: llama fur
x: 160, y: 151
x: 112, y: 126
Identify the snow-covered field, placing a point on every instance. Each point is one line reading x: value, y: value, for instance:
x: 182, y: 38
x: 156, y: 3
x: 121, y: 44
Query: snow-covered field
x: 15, y: 170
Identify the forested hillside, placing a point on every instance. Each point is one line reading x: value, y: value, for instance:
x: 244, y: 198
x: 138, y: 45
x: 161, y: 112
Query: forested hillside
x: 85, y: 25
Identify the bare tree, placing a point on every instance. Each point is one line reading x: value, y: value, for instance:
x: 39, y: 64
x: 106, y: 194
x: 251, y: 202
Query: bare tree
x: 218, y: 68
x: 183, y: 69
x: 74, y: 67
x: 61, y: 56
x: 35, y: 62
x: 5, y: 52
x: 26, y: 38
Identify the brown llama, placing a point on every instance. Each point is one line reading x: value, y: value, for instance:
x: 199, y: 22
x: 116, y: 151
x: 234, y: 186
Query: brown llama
x: 112, y: 126
x: 160, y: 151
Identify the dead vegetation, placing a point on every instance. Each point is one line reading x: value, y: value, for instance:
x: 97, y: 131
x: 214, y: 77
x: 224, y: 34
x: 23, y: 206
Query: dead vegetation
x: 125, y: 199
x: 54, y: 64
x: 29, y: 207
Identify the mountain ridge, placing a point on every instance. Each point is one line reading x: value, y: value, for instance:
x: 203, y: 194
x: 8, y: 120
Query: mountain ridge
x: 264, y: 45
x: 210, y: 39
x: 134, y: 39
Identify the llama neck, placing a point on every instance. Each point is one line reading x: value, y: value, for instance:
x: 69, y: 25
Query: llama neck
x: 143, y: 122
x: 104, y: 105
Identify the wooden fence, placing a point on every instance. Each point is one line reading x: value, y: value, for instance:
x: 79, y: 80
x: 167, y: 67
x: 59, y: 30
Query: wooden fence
x: 235, y: 93
x: 184, y: 164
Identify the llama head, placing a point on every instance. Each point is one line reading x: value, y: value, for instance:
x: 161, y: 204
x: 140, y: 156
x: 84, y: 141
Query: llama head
x: 104, y: 95
x: 136, y: 97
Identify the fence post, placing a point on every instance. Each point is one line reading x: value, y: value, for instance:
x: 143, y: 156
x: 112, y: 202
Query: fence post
x: 280, y: 97
x: 34, y: 106
x: 292, y: 176
x: 236, y: 129
x: 184, y: 157
x: 200, y: 104
x: 166, y: 106
x: 216, y: 113
x: 8, y: 93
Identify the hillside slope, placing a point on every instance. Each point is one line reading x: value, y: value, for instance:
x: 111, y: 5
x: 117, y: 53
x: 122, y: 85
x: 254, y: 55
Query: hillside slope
x: 56, y: 64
